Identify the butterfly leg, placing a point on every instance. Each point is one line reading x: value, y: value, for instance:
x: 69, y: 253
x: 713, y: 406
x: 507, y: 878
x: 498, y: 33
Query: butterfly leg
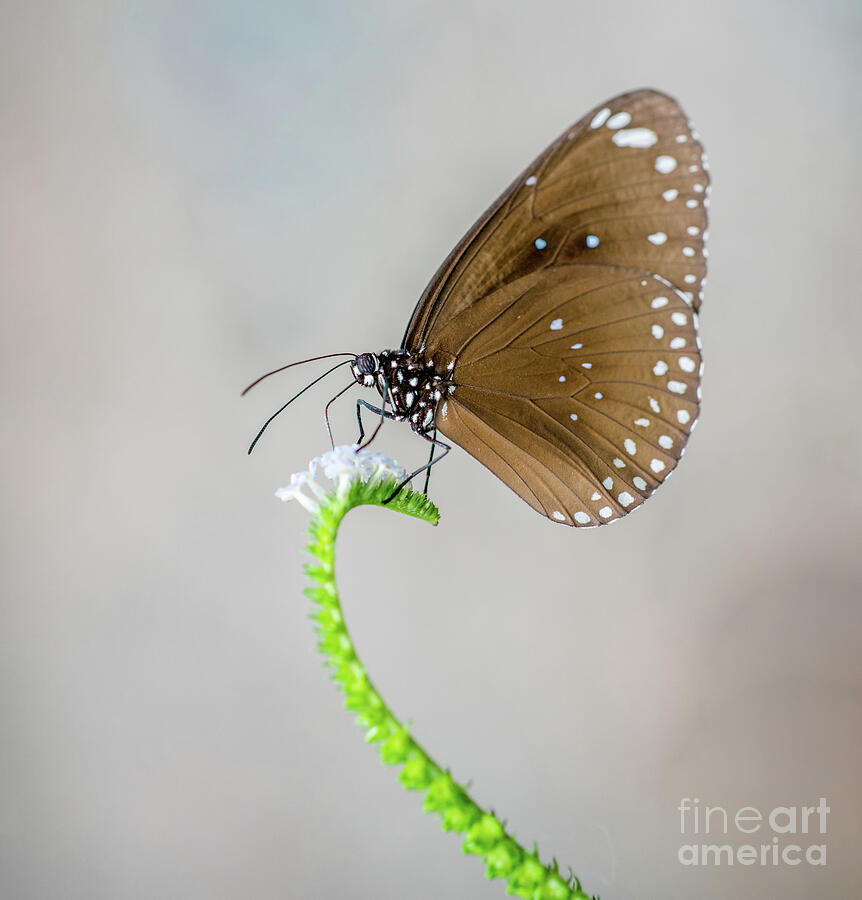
x: 383, y: 415
x: 434, y: 443
x: 430, y: 463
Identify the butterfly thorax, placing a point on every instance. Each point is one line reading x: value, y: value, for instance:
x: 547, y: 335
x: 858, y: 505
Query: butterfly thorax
x: 409, y: 384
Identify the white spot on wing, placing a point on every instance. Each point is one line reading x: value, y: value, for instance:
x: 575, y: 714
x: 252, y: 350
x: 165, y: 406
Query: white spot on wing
x: 556, y: 325
x: 631, y: 446
x: 686, y: 363
x: 658, y: 302
x: 657, y: 332
x: 665, y: 164
x: 531, y: 180
x: 657, y: 465
x: 678, y: 387
x: 665, y: 441
x: 660, y: 368
x: 657, y: 238
x: 679, y: 318
x: 635, y: 137
x: 682, y: 416
x: 619, y: 120
x: 606, y: 512
x: 592, y: 241
x: 559, y: 516
x: 599, y: 119
x: 582, y: 518
x: 626, y: 499
x: 639, y: 483
x: 670, y: 194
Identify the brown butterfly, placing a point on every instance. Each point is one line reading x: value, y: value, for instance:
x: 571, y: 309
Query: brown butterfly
x: 558, y: 341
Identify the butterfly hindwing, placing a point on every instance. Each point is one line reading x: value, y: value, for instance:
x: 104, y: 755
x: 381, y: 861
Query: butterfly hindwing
x: 580, y: 393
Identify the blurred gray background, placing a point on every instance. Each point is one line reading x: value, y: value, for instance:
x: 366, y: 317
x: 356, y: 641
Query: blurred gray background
x: 194, y: 193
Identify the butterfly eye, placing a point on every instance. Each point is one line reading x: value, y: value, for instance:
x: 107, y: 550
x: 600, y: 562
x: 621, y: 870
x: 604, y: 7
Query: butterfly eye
x: 366, y: 364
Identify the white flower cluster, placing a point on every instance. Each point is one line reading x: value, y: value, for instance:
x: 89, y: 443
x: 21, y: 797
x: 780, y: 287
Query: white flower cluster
x: 342, y: 465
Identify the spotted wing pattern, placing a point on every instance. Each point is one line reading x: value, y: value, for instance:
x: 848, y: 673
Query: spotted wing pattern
x: 568, y: 315
x: 626, y: 185
x: 581, y: 393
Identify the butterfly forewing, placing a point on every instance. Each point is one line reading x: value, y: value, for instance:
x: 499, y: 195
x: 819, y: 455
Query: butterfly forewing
x: 625, y: 185
x: 567, y: 316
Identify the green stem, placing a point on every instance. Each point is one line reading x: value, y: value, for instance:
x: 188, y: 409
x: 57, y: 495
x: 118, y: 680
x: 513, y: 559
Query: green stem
x: 484, y: 834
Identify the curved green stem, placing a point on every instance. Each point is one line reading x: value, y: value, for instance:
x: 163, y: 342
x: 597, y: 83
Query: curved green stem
x: 484, y: 834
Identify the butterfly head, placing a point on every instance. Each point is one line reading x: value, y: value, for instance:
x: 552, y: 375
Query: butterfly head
x: 365, y: 368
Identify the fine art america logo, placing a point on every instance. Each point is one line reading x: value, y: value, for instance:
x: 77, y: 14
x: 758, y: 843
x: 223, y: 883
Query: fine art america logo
x: 784, y: 835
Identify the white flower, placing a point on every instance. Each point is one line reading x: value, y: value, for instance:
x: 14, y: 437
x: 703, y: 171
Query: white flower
x: 342, y: 466
x: 294, y: 491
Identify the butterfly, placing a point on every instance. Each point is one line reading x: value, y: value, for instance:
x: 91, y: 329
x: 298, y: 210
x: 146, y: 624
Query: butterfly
x: 558, y: 342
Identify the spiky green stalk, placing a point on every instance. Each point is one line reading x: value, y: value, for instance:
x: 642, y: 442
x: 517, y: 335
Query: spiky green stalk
x: 484, y: 834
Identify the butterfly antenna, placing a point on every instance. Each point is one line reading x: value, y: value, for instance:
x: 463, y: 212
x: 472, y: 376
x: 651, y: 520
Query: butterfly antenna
x: 283, y: 408
x: 299, y: 363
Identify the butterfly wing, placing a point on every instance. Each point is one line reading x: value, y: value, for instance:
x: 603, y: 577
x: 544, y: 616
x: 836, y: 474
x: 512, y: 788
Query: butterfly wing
x: 567, y: 315
x: 631, y: 174
x: 579, y: 390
